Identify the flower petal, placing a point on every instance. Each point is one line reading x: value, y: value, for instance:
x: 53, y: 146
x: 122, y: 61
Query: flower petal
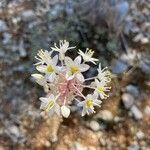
x: 65, y: 46
x: 43, y: 99
x: 51, y: 77
x: 37, y: 76
x: 41, y: 68
x: 68, y: 61
x: 84, y: 67
x: 77, y: 60
x: 80, y: 77
x: 55, y: 60
x: 84, y: 111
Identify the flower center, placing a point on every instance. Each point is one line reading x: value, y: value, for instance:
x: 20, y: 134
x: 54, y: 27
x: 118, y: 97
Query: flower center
x: 89, y: 103
x: 50, y: 68
x: 49, y: 105
x: 101, y: 89
x: 74, y: 69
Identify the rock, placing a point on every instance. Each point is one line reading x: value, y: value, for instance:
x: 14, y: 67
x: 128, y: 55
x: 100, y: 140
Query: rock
x: 6, y: 38
x: 22, y: 49
x: 134, y: 147
x: 2, y: 53
x: 14, y: 130
x: 137, y: 114
x: 145, y: 40
x: 122, y: 9
x: 128, y: 100
x: 147, y: 110
x: 145, y: 66
x: 133, y: 90
x: 94, y: 125
x: 129, y: 57
x: 138, y: 37
x: 105, y: 115
x: 78, y: 146
x: 47, y: 144
x: 3, y: 26
x: 140, y: 135
x: 135, y: 29
x: 28, y: 15
x: 119, y: 66
x: 14, y: 133
x: 118, y: 119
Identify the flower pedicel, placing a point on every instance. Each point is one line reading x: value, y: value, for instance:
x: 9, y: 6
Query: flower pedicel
x: 64, y: 81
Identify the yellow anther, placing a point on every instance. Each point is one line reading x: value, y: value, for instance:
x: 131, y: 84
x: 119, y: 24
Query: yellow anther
x: 101, y: 89
x: 50, y: 68
x: 74, y: 69
x: 89, y: 51
x: 49, y: 105
x: 89, y: 103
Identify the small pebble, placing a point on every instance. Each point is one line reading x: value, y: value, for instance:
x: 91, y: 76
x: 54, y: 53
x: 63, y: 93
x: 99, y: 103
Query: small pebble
x: 78, y: 146
x: 28, y: 15
x: 3, y: 26
x: 47, y: 144
x: 22, y: 49
x: 128, y: 100
x: 137, y: 114
x: 14, y: 131
x: 119, y: 67
x: 133, y: 90
x: 133, y: 147
x: 147, y: 110
x: 94, y: 125
x: 138, y: 37
x: 140, y: 135
x: 144, y: 40
x: 105, y: 115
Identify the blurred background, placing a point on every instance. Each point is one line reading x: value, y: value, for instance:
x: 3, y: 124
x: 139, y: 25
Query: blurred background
x: 119, y: 33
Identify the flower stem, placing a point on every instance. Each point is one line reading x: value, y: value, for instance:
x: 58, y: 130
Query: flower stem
x: 92, y: 78
x: 78, y: 91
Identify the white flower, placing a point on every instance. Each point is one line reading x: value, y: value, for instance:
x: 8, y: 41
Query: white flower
x: 89, y: 103
x: 40, y: 79
x: 87, y: 56
x: 50, y: 69
x: 63, y: 47
x: 103, y: 74
x: 43, y: 57
x: 65, y: 111
x: 49, y: 105
x: 101, y: 88
x: 62, y: 77
x: 75, y: 68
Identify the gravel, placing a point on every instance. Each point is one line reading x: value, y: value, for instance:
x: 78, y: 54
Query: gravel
x: 28, y: 15
x: 133, y: 90
x: 3, y: 26
x: 94, y: 125
x: 128, y: 100
x: 105, y: 115
x: 119, y: 66
x: 78, y: 146
x: 137, y: 114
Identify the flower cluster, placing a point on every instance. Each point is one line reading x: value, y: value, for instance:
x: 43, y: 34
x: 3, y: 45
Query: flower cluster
x: 63, y: 80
